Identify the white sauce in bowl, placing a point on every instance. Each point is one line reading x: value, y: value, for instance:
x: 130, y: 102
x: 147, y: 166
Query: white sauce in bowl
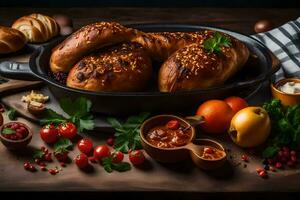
x: 290, y: 88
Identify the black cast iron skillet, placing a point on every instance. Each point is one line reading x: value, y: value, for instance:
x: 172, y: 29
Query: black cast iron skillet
x: 120, y: 103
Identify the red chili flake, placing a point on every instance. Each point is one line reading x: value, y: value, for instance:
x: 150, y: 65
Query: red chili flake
x: 43, y: 168
x: 52, y: 171
x: 110, y: 141
x: 62, y: 164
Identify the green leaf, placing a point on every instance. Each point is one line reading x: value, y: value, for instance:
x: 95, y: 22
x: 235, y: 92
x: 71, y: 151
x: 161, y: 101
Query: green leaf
x: 109, y: 166
x: 214, y: 44
x: 80, y: 107
x: 12, y: 114
x: 121, y: 167
x: 270, y: 151
x: 52, y: 117
x: 63, y: 145
x: 38, y: 154
x: 8, y: 131
x: 127, y: 134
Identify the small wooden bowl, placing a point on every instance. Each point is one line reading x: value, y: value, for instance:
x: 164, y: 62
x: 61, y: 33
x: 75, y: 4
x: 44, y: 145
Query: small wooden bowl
x: 285, y: 98
x: 176, y: 154
x: 15, y: 144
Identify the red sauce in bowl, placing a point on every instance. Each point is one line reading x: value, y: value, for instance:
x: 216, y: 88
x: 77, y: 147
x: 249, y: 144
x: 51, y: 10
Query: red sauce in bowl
x: 211, y: 153
x: 169, y: 135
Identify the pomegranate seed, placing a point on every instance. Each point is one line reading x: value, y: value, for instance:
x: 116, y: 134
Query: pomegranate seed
x: 280, y: 154
x: 285, y: 149
x: 293, y: 153
x: 43, y: 168
x: 26, y: 165
x: 48, y: 157
x: 290, y: 163
x: 32, y: 168
x: 263, y: 174
x: 37, y: 160
x: 278, y: 165
x: 62, y: 164
x: 92, y: 159
x: 110, y: 141
x: 294, y: 158
x: 245, y: 158
x: 258, y: 170
x: 52, y: 171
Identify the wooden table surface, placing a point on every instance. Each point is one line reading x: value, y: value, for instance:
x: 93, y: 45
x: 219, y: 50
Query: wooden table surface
x: 153, y: 176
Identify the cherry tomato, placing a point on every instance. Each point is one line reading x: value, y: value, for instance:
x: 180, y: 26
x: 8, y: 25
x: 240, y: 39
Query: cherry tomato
x: 49, y: 133
x: 217, y: 116
x: 67, y: 130
x: 117, y: 157
x: 173, y: 124
x: 136, y: 157
x: 85, y: 145
x: 236, y: 103
x: 101, y: 151
x: 82, y: 161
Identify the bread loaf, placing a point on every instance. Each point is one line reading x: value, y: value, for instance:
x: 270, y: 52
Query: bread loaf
x: 11, y: 40
x: 85, y: 40
x: 124, y: 67
x: 37, y: 28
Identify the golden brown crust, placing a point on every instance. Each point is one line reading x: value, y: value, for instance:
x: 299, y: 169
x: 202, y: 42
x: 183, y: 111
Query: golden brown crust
x: 161, y: 45
x: 192, y: 67
x: 125, y: 67
x: 11, y: 40
x: 86, y: 40
x: 37, y: 27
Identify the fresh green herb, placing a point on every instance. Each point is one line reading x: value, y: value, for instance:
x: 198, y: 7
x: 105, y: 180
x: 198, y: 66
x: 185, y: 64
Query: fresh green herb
x: 285, y: 127
x: 63, y: 145
x: 214, y: 44
x: 79, y: 112
x: 38, y: 154
x: 8, y: 131
x: 127, y: 134
x: 109, y: 166
x: 12, y: 114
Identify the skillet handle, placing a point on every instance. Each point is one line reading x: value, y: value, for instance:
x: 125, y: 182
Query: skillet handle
x: 16, y: 70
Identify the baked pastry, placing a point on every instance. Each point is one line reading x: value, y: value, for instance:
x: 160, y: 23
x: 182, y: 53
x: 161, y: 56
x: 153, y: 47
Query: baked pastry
x: 124, y: 67
x: 86, y: 40
x: 193, y: 67
x: 161, y: 45
x: 11, y: 40
x: 37, y: 27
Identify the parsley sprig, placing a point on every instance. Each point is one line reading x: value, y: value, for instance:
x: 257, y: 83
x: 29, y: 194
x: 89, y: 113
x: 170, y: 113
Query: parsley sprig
x: 79, y: 112
x: 285, y: 127
x: 109, y: 166
x: 127, y: 134
x: 214, y: 44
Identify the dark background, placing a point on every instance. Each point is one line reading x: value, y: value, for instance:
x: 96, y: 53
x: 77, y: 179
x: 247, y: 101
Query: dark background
x: 153, y: 3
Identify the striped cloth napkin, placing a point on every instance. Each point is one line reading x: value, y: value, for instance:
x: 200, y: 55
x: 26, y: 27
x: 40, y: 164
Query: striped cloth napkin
x: 284, y: 42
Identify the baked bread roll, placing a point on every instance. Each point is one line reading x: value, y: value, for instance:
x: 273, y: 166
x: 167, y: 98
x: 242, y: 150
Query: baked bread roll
x: 11, y: 40
x: 125, y: 67
x: 161, y: 45
x: 192, y: 67
x: 37, y: 27
x: 86, y: 40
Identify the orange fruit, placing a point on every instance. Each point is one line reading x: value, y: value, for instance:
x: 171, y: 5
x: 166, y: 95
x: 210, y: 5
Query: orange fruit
x: 236, y: 103
x: 217, y: 115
